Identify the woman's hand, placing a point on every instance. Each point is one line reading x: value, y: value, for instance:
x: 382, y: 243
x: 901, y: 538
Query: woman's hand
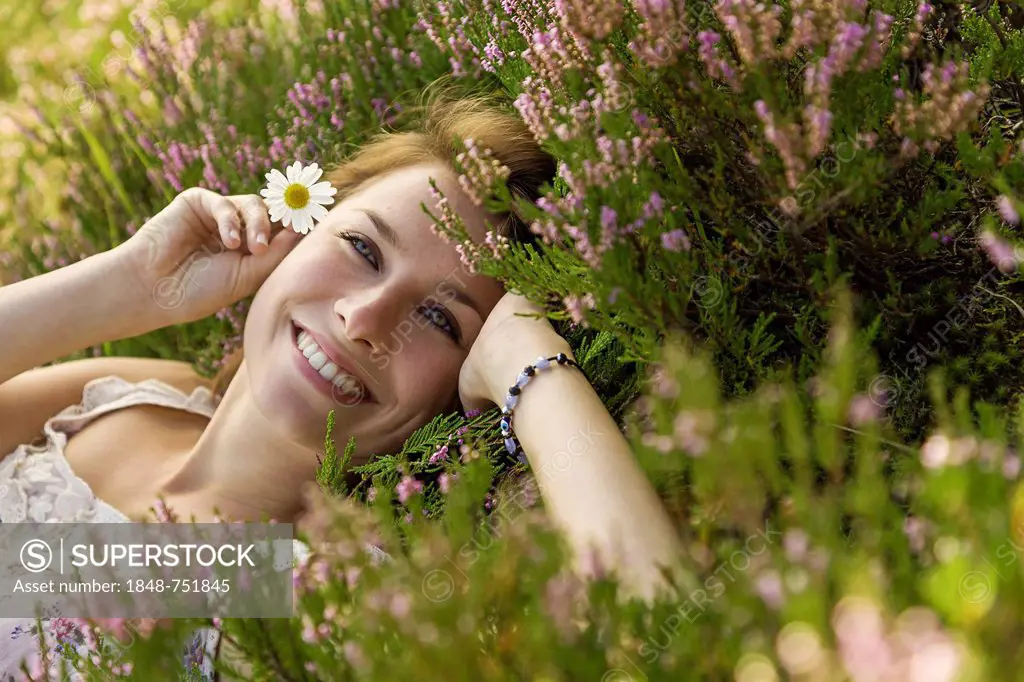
x: 204, y: 252
x: 513, y: 335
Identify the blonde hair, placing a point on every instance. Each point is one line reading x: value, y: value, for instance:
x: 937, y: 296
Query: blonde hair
x: 442, y: 120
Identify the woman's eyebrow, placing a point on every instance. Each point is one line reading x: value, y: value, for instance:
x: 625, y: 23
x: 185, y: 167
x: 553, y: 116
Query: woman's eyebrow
x: 459, y: 295
x: 387, y: 232
x: 390, y: 235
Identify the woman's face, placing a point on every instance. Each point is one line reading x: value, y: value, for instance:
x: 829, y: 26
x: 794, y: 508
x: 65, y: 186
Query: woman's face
x: 387, y: 302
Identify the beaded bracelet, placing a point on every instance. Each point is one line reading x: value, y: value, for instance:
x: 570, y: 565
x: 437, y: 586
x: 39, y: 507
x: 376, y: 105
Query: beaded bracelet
x: 512, y: 398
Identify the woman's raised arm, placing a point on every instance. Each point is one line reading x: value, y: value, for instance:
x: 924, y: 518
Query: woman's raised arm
x: 201, y: 253
x: 89, y: 302
x: 591, y: 483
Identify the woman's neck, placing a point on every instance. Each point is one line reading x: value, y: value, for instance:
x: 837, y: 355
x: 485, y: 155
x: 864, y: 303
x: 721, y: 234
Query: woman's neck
x: 241, y: 465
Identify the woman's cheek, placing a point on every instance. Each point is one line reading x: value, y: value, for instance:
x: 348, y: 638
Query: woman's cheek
x: 424, y: 367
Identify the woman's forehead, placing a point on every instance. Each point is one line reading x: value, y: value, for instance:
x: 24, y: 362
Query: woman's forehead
x: 396, y: 198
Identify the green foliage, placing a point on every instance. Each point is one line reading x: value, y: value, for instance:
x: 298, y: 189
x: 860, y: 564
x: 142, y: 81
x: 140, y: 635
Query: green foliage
x: 818, y: 366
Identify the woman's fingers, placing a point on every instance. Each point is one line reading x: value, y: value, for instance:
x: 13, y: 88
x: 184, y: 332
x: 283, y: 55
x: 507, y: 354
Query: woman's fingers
x: 207, y: 205
x: 256, y: 220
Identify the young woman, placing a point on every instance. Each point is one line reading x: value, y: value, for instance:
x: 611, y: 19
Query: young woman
x: 113, y: 434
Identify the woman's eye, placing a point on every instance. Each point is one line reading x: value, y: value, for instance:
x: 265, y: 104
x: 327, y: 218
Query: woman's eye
x: 360, y: 245
x: 441, y: 321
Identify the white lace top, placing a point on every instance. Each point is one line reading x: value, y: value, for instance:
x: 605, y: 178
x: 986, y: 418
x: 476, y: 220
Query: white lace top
x: 38, y: 485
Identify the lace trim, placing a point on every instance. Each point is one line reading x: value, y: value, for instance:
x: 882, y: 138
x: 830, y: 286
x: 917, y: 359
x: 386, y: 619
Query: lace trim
x: 36, y: 481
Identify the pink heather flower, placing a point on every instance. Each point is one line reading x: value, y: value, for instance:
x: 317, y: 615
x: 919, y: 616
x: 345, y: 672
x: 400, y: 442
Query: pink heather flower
x: 439, y: 454
x: 716, y: 65
x: 1007, y: 211
x: 947, y: 107
x: 861, y: 638
x: 999, y: 251
x: 676, y: 240
x: 444, y: 482
x: 915, y: 530
x: 785, y: 140
x: 354, y: 654
x: 408, y: 487
x: 653, y: 207
x: 935, y: 451
x: 608, y: 218
x: 663, y: 33
x: 576, y: 305
x: 1011, y: 466
x: 589, y: 19
x: 795, y: 543
x: 769, y: 587
x: 863, y: 410
x: 482, y: 171
x: 401, y: 605
x: 924, y: 9
x: 754, y: 27
x: 560, y: 596
x: 691, y: 429
x: 819, y: 124
x: 309, y: 631
x: 163, y: 513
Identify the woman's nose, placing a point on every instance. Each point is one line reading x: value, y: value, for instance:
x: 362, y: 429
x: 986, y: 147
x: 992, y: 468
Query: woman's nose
x: 369, y: 316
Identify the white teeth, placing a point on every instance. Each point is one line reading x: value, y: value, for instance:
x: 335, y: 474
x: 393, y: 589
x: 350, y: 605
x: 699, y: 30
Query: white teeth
x: 329, y: 371
x: 345, y: 383
x: 348, y: 385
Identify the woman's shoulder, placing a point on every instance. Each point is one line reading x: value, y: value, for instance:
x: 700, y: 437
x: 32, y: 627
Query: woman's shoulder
x: 29, y: 399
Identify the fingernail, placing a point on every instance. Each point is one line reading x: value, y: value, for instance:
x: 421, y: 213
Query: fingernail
x: 235, y: 235
x: 262, y: 239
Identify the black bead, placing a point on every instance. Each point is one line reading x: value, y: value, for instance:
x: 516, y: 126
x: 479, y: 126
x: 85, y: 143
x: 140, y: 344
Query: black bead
x: 529, y: 371
x: 561, y: 358
x: 514, y: 390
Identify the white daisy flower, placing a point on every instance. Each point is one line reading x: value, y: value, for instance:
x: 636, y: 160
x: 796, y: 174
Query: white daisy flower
x: 295, y: 200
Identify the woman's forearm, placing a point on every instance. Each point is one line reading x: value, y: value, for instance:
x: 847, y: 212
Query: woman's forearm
x: 589, y: 478
x: 86, y: 303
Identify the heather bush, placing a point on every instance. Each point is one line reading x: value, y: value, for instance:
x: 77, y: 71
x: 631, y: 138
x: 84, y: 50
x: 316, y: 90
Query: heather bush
x: 785, y: 243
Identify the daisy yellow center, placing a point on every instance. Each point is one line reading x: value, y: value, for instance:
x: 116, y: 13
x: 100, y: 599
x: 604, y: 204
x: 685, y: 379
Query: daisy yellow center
x: 296, y: 196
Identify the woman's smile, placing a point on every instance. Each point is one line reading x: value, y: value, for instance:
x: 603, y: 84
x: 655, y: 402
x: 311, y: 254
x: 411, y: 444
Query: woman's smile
x: 326, y: 368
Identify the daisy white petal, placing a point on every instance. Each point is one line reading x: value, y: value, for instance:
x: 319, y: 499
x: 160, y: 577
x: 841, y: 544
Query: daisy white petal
x: 276, y: 176
x: 311, y: 175
x: 317, y: 212
x: 321, y: 199
x: 324, y: 187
